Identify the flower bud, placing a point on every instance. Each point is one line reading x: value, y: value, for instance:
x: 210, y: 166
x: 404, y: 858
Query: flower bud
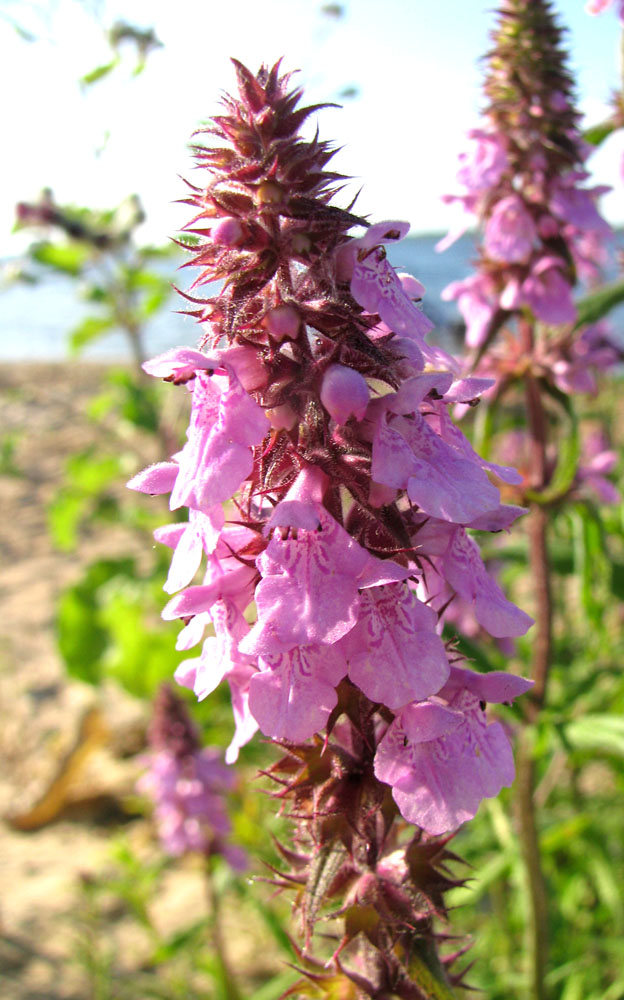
x: 344, y: 393
x: 300, y: 244
x: 345, y: 261
x: 269, y: 193
x: 228, y: 232
x: 283, y: 322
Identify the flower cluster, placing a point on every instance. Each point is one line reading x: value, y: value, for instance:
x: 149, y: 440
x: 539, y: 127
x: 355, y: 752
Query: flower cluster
x: 320, y: 417
x: 187, y: 785
x: 524, y: 182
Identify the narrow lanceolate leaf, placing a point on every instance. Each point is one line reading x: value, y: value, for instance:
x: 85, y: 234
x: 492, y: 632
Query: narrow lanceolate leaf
x: 568, y: 453
x: 323, y: 869
x: 67, y: 259
x: 596, y: 134
x: 98, y: 73
x: 597, y: 732
x: 598, y: 304
x: 432, y: 987
x: 87, y: 330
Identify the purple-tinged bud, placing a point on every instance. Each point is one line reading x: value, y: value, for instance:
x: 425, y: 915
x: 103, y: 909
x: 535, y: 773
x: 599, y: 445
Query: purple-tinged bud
x: 344, y: 393
x: 345, y: 261
x: 411, y: 286
x: 228, y: 232
x: 283, y: 322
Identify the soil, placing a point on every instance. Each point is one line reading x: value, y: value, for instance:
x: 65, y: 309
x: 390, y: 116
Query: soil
x: 69, y: 754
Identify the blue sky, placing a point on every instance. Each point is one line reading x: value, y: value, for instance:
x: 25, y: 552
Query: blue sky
x: 415, y: 64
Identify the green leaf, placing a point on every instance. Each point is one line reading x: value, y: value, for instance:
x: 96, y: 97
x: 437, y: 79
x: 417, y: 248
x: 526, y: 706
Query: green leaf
x: 98, y: 73
x: 23, y: 33
x: 64, y: 515
x: 617, y: 579
x: 166, y: 950
x: 139, y: 656
x: 596, y: 134
x: 96, y: 293
x: 558, y: 836
x: 152, y: 303
x: 274, y: 988
x: 88, y: 330
x: 68, y: 258
x: 325, y: 865
x: 591, y: 564
x: 431, y: 987
x: 597, y: 732
x: 597, y: 304
x: 137, y: 401
x: 272, y: 920
x: 568, y: 452
x: 82, y: 639
x: 89, y: 472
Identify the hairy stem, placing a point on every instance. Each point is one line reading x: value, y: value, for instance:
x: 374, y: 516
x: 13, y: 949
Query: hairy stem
x: 540, y: 666
x: 540, y: 576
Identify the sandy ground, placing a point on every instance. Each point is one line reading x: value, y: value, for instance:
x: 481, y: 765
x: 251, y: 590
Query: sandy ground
x: 68, y: 754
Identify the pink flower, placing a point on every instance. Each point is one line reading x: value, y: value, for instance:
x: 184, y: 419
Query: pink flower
x: 319, y: 414
x: 393, y: 652
x: 220, y: 653
x: 312, y: 574
x: 295, y: 691
x: 408, y: 455
x: 450, y: 433
x: 477, y: 302
x: 547, y: 293
x: 228, y: 576
x: 484, y: 162
x: 578, y: 206
x: 156, y: 479
x: 225, y: 423
x: 190, y: 540
x: 376, y: 286
x: 598, y: 462
x: 187, y: 785
x: 510, y: 231
x: 465, y: 572
x: 187, y: 794
x: 442, y: 758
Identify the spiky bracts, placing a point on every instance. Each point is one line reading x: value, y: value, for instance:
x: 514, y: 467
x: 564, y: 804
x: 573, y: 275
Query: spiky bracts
x: 530, y: 90
x: 268, y: 231
x: 171, y: 727
x: 375, y: 885
x: 524, y: 181
x: 266, y: 205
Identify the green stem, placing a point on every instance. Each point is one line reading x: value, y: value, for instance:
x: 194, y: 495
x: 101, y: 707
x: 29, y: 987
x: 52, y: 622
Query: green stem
x: 214, y: 903
x: 538, y: 924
